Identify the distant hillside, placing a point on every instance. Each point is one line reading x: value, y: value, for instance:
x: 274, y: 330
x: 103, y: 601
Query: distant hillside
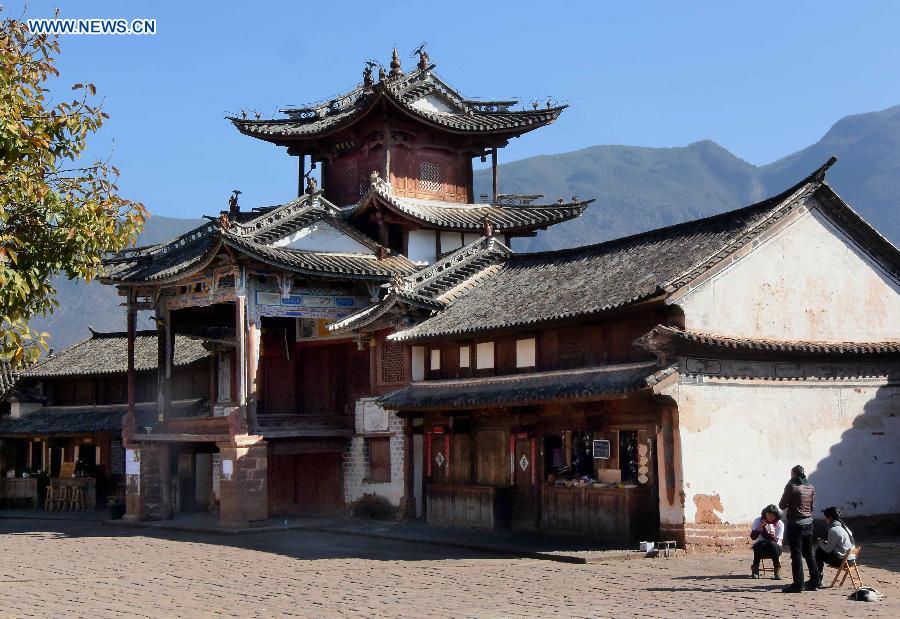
x: 643, y: 188
x: 636, y: 189
x: 95, y: 305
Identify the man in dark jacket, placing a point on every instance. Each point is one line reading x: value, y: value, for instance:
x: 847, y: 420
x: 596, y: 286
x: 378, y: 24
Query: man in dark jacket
x: 798, y: 498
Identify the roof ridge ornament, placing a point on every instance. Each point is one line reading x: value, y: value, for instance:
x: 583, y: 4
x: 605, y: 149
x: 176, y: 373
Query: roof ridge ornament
x: 424, y: 60
x: 396, y: 71
x: 367, y: 74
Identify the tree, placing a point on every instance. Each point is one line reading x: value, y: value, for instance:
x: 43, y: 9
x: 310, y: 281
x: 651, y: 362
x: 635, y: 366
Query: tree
x: 57, y: 214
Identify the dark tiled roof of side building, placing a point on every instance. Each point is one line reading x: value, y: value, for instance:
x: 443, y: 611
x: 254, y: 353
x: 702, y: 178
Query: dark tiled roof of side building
x: 107, y: 353
x: 534, y: 288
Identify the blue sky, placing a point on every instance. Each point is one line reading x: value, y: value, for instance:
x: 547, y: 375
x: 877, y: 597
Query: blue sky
x: 762, y: 79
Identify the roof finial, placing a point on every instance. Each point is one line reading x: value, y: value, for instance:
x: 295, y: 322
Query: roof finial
x: 381, y: 74
x: 396, y: 71
x: 424, y: 60
x: 233, y: 208
x: 367, y: 73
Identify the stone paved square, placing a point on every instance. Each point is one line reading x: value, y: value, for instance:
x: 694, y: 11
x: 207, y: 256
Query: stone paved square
x: 80, y: 569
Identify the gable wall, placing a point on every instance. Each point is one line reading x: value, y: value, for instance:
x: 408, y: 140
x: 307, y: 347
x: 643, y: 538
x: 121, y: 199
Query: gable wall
x: 808, y: 282
x: 740, y: 438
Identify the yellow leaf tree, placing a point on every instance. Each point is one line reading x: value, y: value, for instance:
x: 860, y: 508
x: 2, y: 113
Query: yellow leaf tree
x: 58, y: 214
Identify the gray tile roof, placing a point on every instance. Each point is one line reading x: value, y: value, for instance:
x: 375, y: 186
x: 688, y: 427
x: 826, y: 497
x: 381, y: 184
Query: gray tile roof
x: 86, y: 419
x: 667, y: 340
x: 107, y: 353
x: 462, y: 115
x: 528, y: 289
x: 254, y: 233
x: 455, y: 216
x: 521, y: 389
x: 430, y: 288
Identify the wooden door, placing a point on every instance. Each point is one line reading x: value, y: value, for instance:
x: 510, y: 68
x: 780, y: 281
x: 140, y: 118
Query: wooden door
x: 306, y: 483
x: 525, y: 482
x: 277, y: 373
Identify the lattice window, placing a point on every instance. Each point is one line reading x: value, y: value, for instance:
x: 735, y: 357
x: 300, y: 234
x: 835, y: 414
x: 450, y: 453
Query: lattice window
x: 430, y: 176
x: 348, y: 181
x: 392, y: 362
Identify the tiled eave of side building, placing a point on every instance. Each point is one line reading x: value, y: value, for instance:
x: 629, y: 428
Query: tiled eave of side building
x: 582, y: 384
x: 401, y: 93
x: 531, y: 289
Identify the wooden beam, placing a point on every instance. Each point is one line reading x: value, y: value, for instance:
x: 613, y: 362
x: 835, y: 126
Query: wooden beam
x: 494, y: 172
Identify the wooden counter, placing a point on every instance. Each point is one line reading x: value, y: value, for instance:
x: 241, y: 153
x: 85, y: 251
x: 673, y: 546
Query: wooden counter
x: 594, y: 511
x: 467, y: 505
x: 19, y: 489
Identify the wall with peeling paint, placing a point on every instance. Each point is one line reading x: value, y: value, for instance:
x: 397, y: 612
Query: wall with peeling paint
x: 807, y: 282
x: 740, y: 438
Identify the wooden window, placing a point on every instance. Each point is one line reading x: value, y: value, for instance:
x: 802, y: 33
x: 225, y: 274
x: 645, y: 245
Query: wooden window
x: 418, y: 362
x: 464, y: 354
x: 435, y: 359
x: 379, y: 449
x: 391, y: 360
x: 430, y: 176
x: 484, y: 355
x: 526, y: 353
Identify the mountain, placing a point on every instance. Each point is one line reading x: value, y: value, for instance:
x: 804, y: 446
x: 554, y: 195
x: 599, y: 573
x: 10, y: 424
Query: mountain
x: 94, y: 305
x: 639, y: 189
x: 635, y: 188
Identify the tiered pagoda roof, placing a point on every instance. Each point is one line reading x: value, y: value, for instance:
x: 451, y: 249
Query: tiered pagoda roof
x: 454, y: 216
x: 420, y: 94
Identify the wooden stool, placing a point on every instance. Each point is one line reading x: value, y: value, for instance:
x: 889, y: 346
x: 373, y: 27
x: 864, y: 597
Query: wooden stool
x: 766, y: 565
x: 62, y: 498
x: 78, y: 499
x: 849, y: 567
x: 51, y: 497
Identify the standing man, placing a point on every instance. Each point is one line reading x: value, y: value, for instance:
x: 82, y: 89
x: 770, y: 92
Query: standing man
x: 798, y: 498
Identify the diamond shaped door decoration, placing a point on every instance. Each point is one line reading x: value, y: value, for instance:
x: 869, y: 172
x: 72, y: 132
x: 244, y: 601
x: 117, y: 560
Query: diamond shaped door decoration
x: 523, y: 463
x: 440, y: 459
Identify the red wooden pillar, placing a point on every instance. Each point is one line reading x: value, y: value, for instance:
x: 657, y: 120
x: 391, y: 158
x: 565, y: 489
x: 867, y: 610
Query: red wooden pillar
x: 132, y: 319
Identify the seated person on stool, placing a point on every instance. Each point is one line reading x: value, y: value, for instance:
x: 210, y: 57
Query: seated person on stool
x: 837, y: 544
x: 767, y: 533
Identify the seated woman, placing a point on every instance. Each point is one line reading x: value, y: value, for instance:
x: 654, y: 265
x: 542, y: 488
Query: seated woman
x: 767, y: 533
x: 837, y: 544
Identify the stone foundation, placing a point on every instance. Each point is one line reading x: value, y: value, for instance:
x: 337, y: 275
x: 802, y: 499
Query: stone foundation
x: 243, y: 484
x: 148, y: 494
x: 720, y: 537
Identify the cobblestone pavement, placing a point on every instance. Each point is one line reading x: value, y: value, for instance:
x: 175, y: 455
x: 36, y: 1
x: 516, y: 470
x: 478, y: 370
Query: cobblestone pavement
x: 55, y: 569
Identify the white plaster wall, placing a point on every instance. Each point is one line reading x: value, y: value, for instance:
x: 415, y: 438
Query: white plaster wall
x: 323, y: 237
x: 740, y: 440
x: 808, y: 282
x: 356, y: 457
x: 422, y: 246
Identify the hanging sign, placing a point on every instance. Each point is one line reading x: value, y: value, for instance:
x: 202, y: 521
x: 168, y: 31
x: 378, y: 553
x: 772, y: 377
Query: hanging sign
x: 601, y: 449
